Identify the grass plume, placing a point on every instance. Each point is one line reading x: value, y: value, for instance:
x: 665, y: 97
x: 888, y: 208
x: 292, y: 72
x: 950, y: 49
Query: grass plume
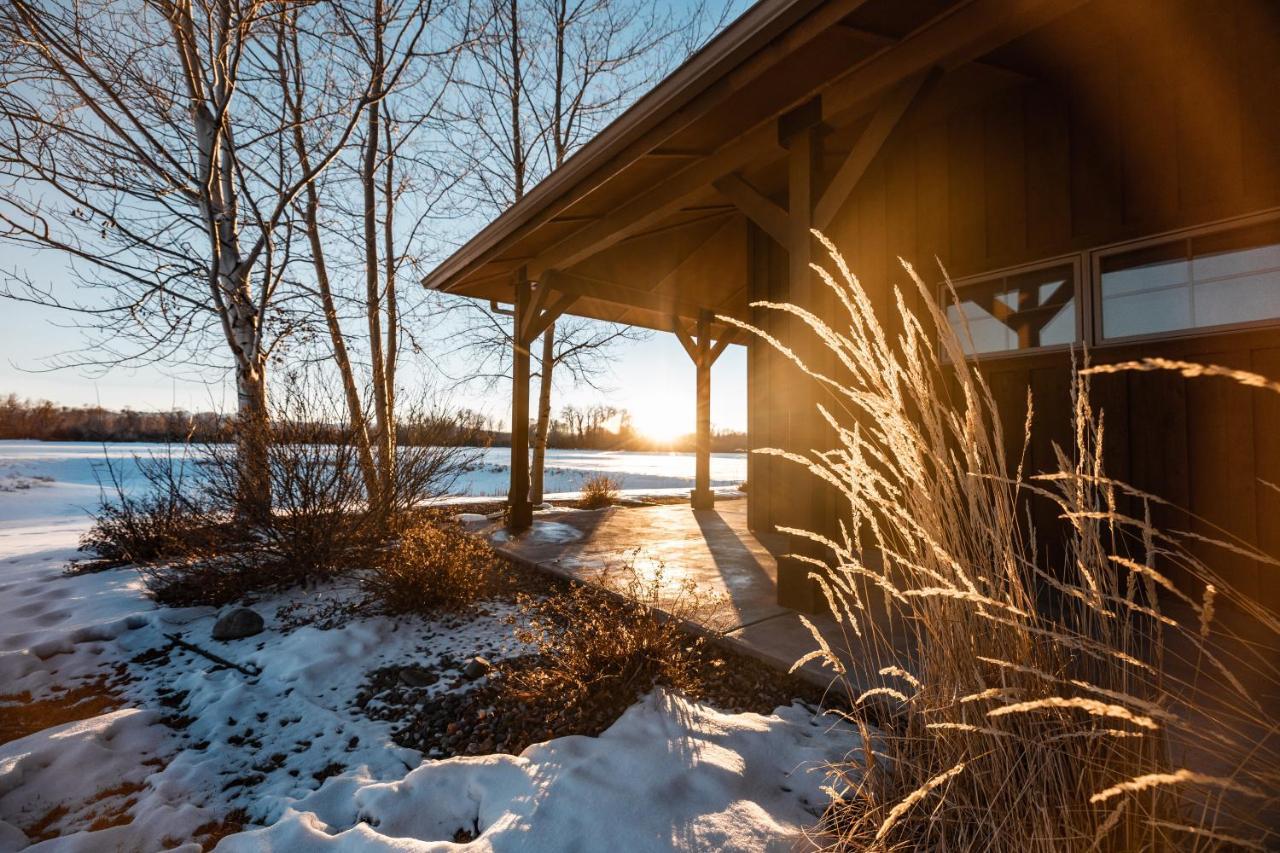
x: 1039, y: 694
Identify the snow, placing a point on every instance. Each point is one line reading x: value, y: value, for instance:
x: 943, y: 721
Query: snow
x: 670, y: 774
x: 185, y: 741
x: 72, y: 464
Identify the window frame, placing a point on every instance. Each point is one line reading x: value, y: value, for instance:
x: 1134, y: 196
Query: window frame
x: 1096, y: 338
x: 1081, y: 296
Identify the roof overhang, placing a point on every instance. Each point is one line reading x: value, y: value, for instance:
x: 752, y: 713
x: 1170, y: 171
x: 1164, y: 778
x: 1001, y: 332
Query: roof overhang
x: 640, y: 225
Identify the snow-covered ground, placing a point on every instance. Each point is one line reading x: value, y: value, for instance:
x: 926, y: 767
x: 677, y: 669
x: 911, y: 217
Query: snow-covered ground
x: 72, y: 463
x: 180, y: 743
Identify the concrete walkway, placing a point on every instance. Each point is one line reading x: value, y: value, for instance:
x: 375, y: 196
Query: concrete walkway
x: 712, y: 548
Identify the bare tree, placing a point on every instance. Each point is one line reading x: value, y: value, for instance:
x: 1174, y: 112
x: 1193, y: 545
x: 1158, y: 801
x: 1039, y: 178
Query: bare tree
x: 147, y: 141
x: 407, y: 55
x: 549, y: 75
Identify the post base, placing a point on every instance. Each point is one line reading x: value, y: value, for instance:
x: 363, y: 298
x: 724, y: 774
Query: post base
x: 702, y: 498
x: 519, y: 516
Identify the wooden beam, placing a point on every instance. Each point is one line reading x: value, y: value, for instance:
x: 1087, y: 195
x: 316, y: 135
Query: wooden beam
x: 539, y: 324
x: 608, y: 291
x: 729, y: 337
x: 682, y: 335
x: 855, y: 165
x: 536, y: 304
x: 519, y: 511
x: 662, y: 200
x: 795, y: 589
x: 701, y: 497
x: 759, y: 209
x: 953, y: 38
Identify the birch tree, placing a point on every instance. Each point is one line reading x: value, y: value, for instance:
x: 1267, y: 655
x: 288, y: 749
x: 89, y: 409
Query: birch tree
x: 147, y: 142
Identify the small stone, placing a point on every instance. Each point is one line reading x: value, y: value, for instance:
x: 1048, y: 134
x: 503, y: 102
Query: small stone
x: 451, y: 729
x: 237, y: 624
x: 416, y: 676
x: 477, y: 667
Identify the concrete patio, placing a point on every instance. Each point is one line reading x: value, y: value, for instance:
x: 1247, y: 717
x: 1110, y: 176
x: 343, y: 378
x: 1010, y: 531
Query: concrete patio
x: 710, y: 547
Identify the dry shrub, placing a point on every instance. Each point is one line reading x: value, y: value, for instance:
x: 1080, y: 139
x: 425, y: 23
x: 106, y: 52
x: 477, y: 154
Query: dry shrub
x: 434, y: 565
x: 1125, y: 715
x: 195, y: 545
x: 601, y: 646
x: 170, y: 518
x: 319, y: 524
x: 212, y: 580
x: 600, y: 490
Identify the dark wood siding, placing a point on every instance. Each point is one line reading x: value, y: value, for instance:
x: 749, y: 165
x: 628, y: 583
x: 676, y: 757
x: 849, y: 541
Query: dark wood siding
x: 1133, y: 119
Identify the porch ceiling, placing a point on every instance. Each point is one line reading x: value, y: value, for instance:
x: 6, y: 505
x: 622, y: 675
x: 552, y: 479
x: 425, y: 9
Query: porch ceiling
x: 642, y: 226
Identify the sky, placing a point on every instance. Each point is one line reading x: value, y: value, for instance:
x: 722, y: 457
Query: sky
x: 653, y: 378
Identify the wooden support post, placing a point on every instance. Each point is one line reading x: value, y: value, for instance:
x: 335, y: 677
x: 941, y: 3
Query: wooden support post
x: 795, y: 589
x: 519, y: 510
x: 702, y: 497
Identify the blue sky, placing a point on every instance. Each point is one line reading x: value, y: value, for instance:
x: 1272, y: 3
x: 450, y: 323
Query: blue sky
x: 653, y: 379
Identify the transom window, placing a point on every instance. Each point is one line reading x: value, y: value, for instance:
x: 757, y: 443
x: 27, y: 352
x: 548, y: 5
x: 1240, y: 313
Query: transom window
x: 1017, y: 311
x: 1222, y: 278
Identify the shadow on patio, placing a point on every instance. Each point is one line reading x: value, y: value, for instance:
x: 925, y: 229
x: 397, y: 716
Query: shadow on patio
x: 712, y: 548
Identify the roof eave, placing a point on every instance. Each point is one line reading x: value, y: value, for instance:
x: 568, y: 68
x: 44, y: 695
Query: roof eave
x: 699, y: 72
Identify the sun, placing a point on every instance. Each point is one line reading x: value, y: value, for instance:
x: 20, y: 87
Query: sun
x: 659, y: 427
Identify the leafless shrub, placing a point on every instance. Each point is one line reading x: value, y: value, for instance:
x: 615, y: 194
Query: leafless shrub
x: 319, y: 523
x: 606, y: 647
x: 434, y: 565
x: 1015, y: 726
x: 168, y: 516
x: 600, y: 490
x: 212, y: 580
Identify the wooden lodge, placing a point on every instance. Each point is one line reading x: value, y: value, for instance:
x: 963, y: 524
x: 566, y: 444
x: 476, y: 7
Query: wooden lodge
x: 1102, y: 174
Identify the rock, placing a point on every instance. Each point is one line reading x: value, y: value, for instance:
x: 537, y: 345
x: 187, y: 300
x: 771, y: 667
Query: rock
x: 477, y: 667
x: 416, y: 676
x: 237, y: 624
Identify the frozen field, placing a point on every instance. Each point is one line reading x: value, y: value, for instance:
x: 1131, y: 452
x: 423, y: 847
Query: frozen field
x: 72, y: 465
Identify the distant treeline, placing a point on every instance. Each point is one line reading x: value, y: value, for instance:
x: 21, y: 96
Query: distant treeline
x: 603, y: 427
x: 47, y: 421
x: 593, y: 428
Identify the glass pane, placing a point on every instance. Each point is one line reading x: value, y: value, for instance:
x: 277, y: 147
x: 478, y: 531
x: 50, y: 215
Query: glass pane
x: 1017, y: 312
x: 1233, y: 277
x: 1145, y: 313
x: 1238, y: 300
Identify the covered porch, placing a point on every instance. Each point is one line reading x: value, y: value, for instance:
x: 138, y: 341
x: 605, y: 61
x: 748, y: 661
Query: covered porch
x: 700, y: 201
x: 712, y: 547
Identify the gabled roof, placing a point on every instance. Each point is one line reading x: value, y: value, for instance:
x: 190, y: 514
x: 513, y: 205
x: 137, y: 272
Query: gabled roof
x: 633, y: 223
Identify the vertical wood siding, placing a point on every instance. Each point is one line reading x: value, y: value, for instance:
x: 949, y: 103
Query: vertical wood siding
x: 1142, y: 117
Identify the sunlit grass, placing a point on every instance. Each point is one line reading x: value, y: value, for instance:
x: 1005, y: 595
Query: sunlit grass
x: 1028, y: 702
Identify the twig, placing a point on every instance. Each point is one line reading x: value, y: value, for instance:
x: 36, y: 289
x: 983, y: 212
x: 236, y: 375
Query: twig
x: 178, y: 641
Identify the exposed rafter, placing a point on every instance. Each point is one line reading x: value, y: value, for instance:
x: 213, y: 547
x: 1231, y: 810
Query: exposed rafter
x: 883, y: 121
x: 759, y: 209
